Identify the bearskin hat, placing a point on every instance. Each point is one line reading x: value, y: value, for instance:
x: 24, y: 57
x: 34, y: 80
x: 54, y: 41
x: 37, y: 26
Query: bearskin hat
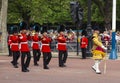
x: 23, y: 25
x: 44, y: 29
x: 61, y: 28
x: 15, y: 29
x: 84, y: 33
x: 96, y: 28
x: 10, y: 30
x: 36, y: 27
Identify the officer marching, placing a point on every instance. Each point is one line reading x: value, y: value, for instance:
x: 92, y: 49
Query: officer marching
x: 35, y: 45
x: 98, y: 50
x: 62, y: 47
x: 24, y: 48
x: 14, y: 46
x: 45, y: 48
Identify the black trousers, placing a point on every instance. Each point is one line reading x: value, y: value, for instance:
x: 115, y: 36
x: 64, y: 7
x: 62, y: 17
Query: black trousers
x: 46, y: 58
x: 62, y: 57
x: 16, y: 55
x: 83, y: 53
x: 25, y: 60
x: 9, y: 50
x: 36, y: 55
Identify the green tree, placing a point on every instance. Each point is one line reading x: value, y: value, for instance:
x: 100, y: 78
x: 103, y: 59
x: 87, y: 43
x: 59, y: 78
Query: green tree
x: 52, y: 11
x: 19, y: 10
x: 118, y: 10
x: 105, y: 9
x: 41, y: 11
x: 3, y: 25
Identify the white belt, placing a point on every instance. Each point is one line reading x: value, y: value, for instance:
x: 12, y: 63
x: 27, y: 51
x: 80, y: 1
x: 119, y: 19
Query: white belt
x: 33, y: 43
x: 43, y: 45
x: 83, y: 42
x: 23, y: 42
x: 13, y: 44
x: 46, y: 44
x: 62, y: 43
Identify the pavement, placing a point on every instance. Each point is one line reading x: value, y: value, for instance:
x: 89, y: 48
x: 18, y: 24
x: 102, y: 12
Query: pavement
x: 70, y: 54
x: 77, y: 71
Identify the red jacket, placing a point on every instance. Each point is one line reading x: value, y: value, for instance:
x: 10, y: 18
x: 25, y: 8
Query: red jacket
x: 14, y: 43
x: 45, y: 44
x: 84, y: 42
x: 24, y: 43
x: 35, y: 42
x: 61, y: 43
x: 9, y: 39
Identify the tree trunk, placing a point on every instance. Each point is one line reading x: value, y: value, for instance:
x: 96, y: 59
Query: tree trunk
x: 108, y: 14
x: 26, y: 17
x: 3, y: 26
x: 106, y: 11
x: 0, y: 13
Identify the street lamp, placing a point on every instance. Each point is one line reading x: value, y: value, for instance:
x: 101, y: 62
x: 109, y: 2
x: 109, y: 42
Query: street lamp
x: 89, y: 30
x: 77, y: 16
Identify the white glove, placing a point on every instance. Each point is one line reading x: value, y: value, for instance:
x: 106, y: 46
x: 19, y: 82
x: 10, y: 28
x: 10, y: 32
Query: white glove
x: 104, y: 47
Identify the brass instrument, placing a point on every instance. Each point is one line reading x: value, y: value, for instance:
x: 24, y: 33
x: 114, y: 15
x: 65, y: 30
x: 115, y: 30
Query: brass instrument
x: 71, y: 35
x: 32, y: 33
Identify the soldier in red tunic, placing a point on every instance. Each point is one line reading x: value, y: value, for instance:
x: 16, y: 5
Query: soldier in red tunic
x: 62, y: 48
x: 15, y: 46
x: 45, y: 48
x: 35, y: 45
x: 84, y: 44
x: 24, y: 48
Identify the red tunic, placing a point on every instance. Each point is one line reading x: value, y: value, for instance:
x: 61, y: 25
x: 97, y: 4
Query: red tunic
x: 35, y: 41
x: 15, y: 43
x: 61, y: 43
x: 24, y: 43
x: 84, y: 42
x: 45, y: 44
x: 9, y: 39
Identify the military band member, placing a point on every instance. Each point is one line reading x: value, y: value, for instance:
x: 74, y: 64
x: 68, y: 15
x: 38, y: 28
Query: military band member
x: 62, y: 48
x: 84, y: 44
x: 24, y: 48
x: 98, y: 50
x: 35, y: 45
x: 15, y: 46
x: 45, y: 48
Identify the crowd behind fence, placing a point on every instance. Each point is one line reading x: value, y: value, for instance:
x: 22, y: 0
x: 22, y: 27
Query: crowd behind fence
x: 72, y: 47
x: 72, y: 42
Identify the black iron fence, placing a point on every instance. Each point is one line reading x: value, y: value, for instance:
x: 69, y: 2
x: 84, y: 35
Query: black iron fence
x: 72, y: 47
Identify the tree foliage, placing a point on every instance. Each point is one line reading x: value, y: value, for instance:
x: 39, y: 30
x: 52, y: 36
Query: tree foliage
x: 58, y: 11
